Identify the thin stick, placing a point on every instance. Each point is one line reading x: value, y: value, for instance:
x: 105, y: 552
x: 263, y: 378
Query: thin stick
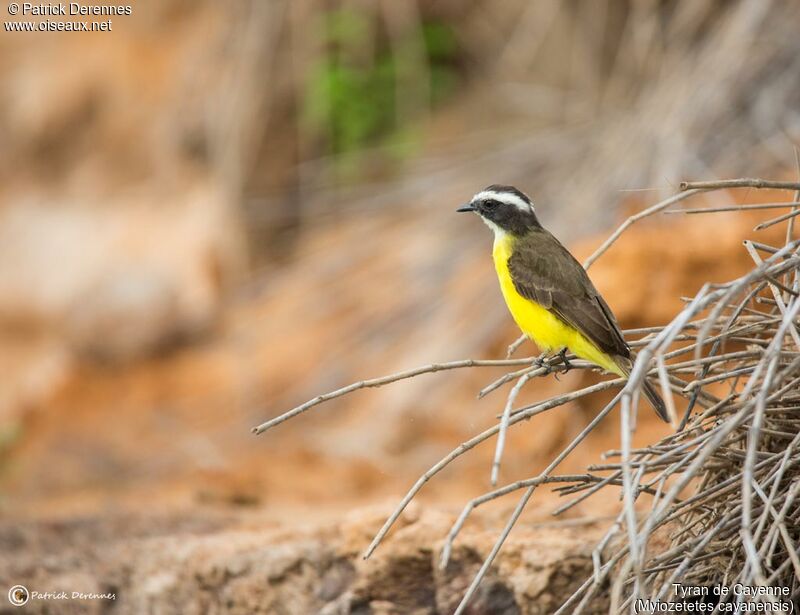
x: 790, y: 226
x: 739, y: 183
x: 522, y: 414
x: 512, y: 348
x: 501, y: 435
x: 687, y: 189
x: 382, y: 381
x: 523, y: 502
x: 654, y: 209
x: 772, y: 221
x: 495, y: 550
x: 712, y: 210
x: 493, y: 495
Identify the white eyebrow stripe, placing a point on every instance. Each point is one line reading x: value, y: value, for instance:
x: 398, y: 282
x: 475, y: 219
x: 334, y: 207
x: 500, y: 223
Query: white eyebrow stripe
x: 504, y: 197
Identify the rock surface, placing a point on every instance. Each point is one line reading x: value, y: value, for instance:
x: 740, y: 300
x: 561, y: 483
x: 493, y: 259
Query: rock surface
x: 235, y: 565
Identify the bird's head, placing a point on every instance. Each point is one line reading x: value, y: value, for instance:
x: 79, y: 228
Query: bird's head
x: 504, y: 209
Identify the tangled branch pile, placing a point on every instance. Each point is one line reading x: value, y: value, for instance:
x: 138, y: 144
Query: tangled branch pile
x: 724, y: 486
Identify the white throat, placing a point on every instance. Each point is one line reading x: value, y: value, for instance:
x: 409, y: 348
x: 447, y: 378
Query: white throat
x: 498, y: 231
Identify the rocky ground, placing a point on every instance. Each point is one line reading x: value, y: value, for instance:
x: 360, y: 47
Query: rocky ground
x: 237, y: 564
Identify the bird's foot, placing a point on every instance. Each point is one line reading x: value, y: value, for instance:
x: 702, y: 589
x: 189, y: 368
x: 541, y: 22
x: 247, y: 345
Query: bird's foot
x: 544, y: 364
x: 564, y: 360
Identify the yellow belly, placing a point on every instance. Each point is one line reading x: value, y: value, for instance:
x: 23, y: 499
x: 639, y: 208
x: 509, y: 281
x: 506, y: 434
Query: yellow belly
x: 547, y: 330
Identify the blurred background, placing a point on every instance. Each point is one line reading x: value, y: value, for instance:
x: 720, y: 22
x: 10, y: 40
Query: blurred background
x: 219, y: 210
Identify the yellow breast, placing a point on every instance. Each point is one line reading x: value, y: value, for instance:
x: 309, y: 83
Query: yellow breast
x: 546, y: 329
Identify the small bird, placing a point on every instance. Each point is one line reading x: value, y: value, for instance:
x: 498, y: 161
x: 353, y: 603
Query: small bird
x: 547, y: 291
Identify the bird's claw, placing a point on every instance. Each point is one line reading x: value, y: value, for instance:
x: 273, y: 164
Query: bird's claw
x: 564, y: 360
x: 544, y: 364
x: 549, y: 368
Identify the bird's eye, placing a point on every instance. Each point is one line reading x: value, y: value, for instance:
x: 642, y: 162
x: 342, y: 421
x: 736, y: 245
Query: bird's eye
x: 490, y: 204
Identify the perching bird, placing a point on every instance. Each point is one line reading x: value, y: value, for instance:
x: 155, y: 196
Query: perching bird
x: 547, y: 291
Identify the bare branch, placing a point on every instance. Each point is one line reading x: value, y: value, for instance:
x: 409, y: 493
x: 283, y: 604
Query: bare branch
x: 384, y: 380
x: 740, y: 183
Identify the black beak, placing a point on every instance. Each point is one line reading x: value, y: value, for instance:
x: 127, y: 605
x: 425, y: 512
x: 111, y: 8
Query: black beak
x: 467, y: 207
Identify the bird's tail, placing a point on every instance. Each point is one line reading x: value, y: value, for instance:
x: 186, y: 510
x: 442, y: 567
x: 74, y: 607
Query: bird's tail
x: 653, y: 397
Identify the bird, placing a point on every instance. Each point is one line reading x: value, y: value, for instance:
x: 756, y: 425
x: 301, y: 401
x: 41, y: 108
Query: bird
x: 547, y: 291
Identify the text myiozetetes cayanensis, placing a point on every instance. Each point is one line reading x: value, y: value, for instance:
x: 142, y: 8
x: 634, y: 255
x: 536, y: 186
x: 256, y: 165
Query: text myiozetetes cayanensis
x: 547, y: 291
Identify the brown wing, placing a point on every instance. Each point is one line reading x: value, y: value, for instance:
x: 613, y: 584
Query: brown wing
x: 544, y: 271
